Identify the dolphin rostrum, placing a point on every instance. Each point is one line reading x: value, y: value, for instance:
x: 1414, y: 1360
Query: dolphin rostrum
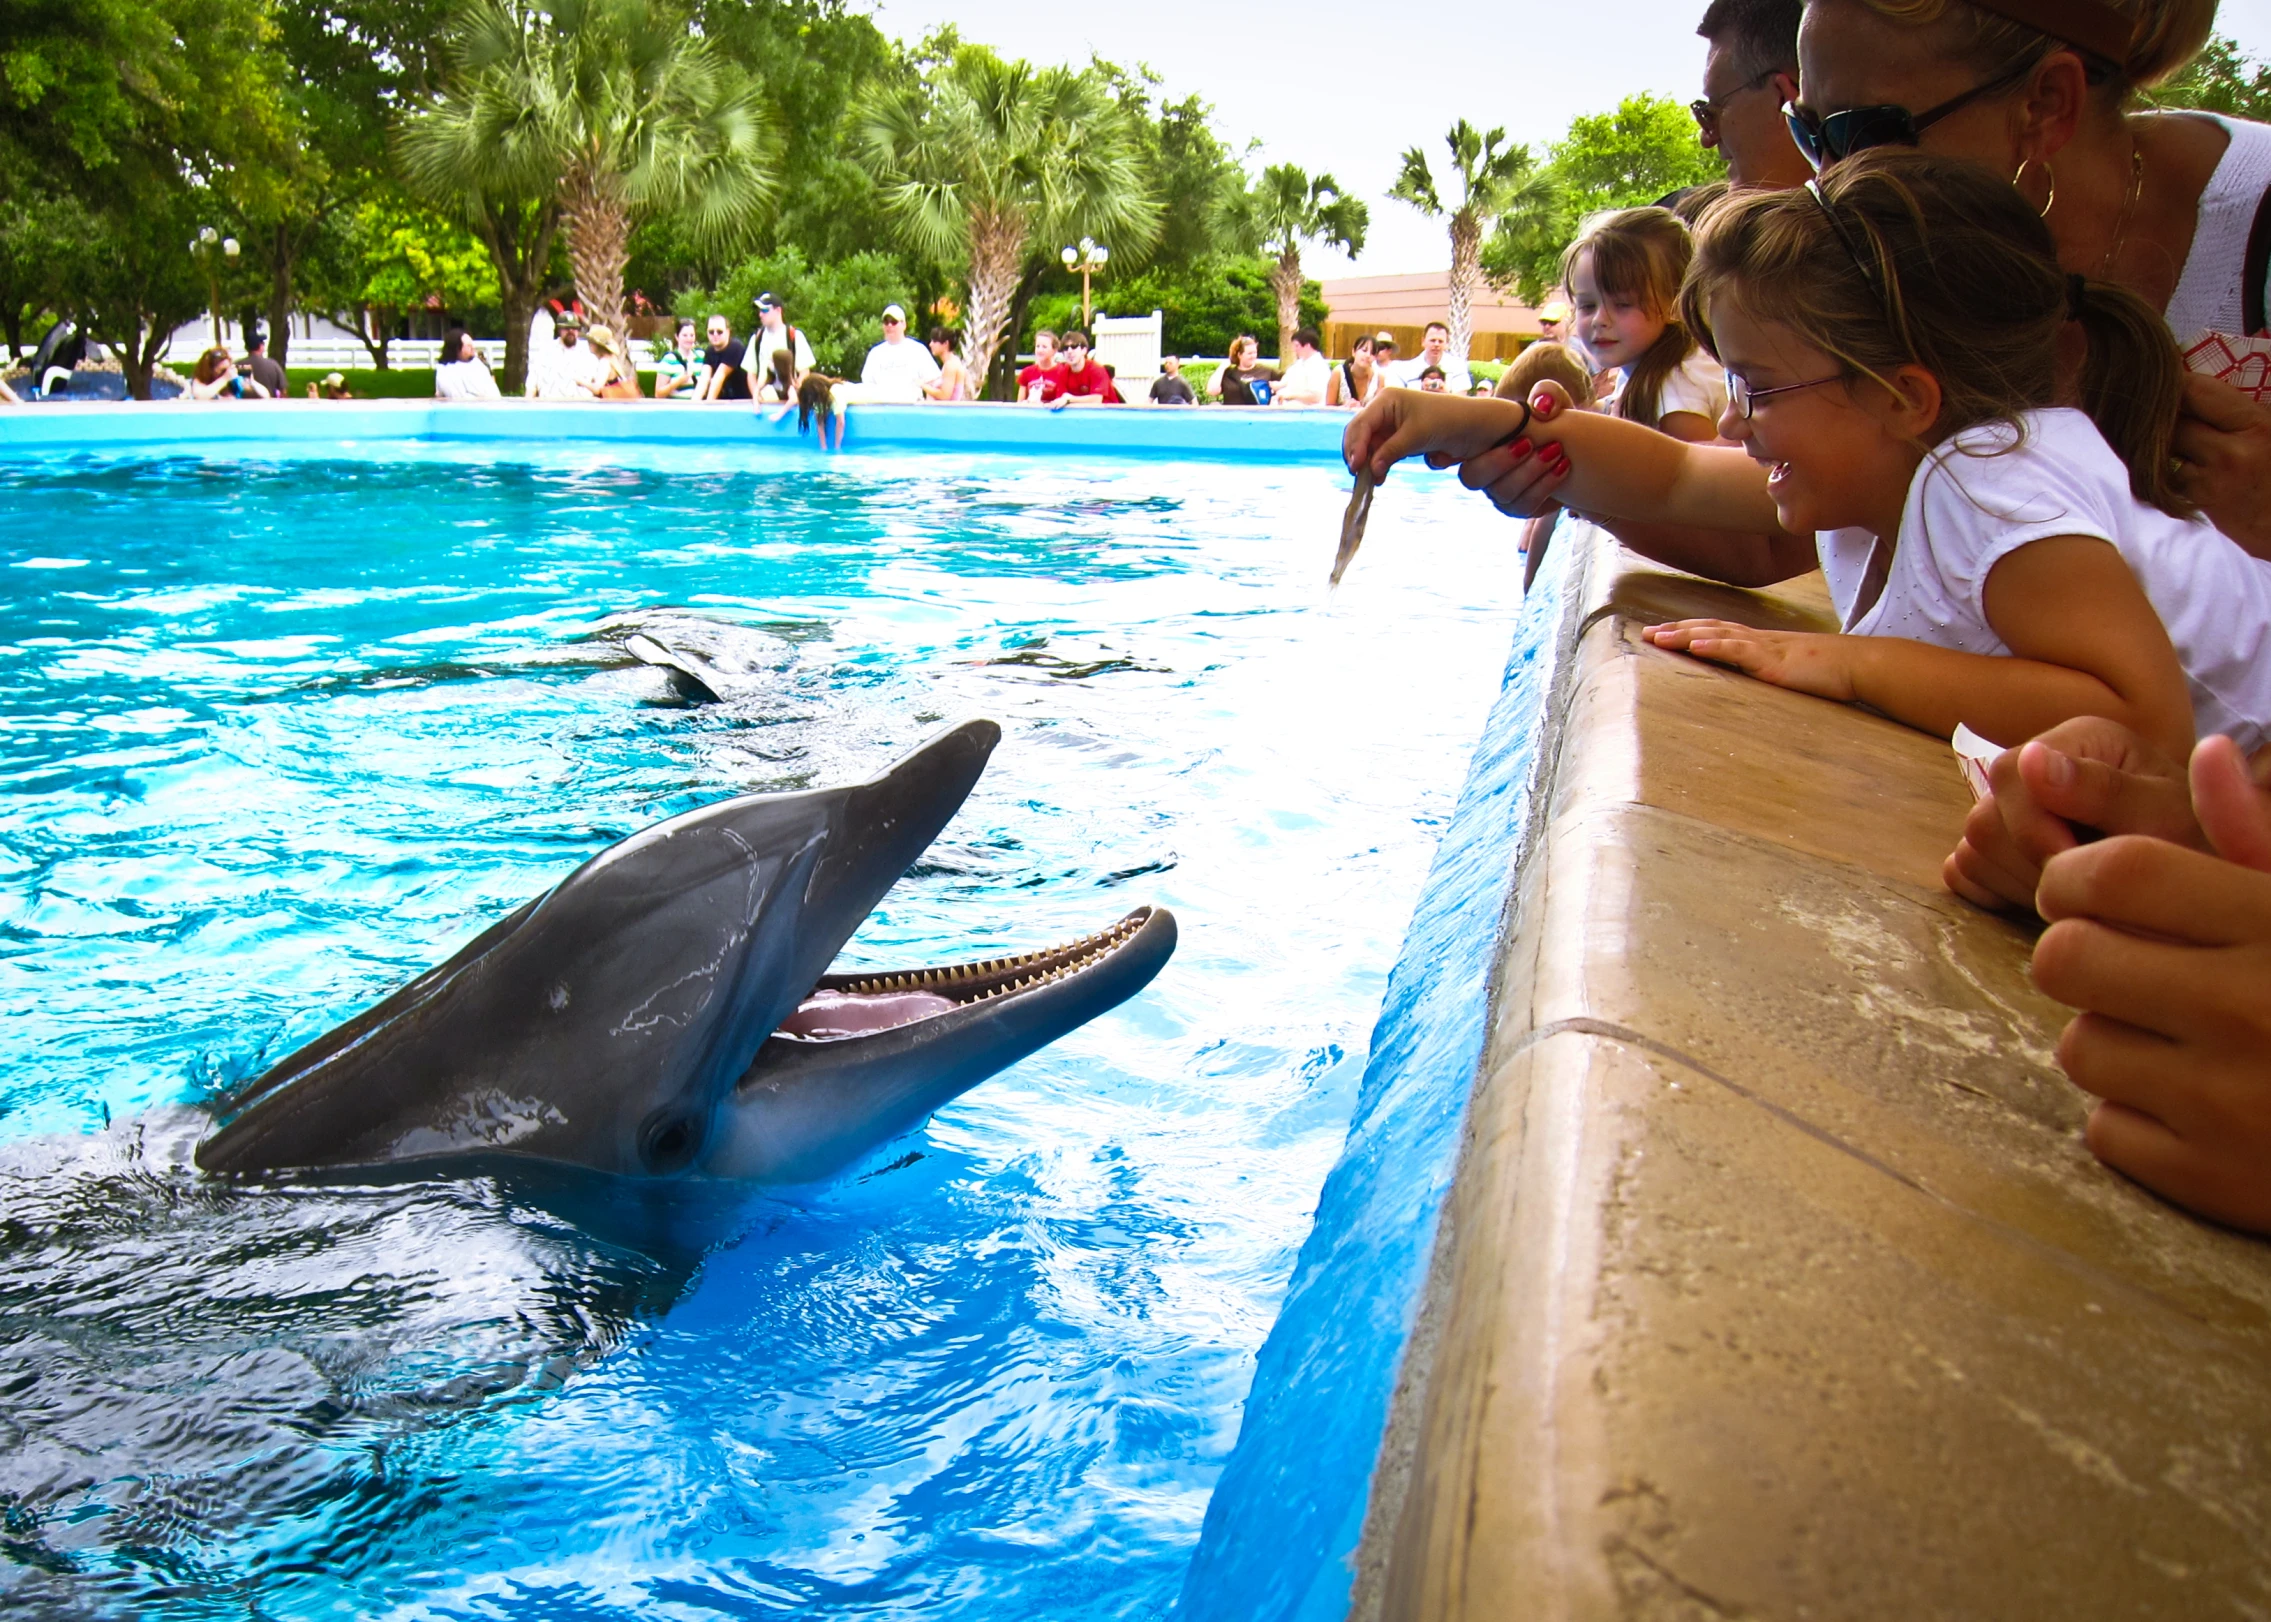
x: 663, y: 1011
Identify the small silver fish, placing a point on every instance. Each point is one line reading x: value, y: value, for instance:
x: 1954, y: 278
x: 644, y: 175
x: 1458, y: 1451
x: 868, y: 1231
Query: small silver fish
x: 1352, y: 522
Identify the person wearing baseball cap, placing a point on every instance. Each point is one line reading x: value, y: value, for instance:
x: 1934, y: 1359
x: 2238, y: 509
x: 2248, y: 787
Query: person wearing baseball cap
x: 897, y: 368
x: 774, y: 332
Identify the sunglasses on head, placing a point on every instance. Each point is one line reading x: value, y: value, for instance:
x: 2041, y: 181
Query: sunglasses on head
x: 1827, y: 138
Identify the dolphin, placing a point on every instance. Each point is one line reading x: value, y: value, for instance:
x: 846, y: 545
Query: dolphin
x: 663, y: 1013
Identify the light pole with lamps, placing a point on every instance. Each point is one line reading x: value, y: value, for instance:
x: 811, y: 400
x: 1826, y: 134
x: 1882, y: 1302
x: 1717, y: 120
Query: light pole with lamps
x: 1088, y: 259
x: 208, y: 240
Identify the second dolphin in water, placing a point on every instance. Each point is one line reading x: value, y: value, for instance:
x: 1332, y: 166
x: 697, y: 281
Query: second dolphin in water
x: 664, y: 1011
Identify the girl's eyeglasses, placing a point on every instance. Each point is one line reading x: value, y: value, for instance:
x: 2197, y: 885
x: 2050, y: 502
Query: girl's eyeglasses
x: 1827, y: 138
x: 1745, y: 398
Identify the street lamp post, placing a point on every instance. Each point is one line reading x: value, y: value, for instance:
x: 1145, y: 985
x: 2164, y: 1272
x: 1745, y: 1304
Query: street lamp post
x: 1088, y: 259
x: 208, y: 242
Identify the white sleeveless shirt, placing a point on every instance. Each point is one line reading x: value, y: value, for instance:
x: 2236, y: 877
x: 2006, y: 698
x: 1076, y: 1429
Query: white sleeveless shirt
x: 2208, y: 294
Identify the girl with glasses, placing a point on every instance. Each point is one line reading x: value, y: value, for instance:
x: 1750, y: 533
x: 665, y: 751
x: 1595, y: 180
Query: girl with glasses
x: 1892, y: 338
x: 2043, y: 92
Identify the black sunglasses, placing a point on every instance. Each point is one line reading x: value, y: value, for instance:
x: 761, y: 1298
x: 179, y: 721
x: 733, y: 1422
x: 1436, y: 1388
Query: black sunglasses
x: 1707, y: 111
x: 1827, y: 138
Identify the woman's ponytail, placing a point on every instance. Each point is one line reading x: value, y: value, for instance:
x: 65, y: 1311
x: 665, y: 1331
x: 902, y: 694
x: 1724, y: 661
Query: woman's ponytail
x: 2132, y: 383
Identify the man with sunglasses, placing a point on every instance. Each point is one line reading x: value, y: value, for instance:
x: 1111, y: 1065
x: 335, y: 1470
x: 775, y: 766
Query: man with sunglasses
x: 1749, y: 72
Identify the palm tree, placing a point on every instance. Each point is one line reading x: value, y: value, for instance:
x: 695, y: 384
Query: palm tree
x: 1494, y: 179
x: 985, y: 159
x: 1290, y: 208
x: 594, y: 114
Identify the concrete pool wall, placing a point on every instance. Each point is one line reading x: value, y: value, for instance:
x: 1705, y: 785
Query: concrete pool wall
x: 1775, y: 1280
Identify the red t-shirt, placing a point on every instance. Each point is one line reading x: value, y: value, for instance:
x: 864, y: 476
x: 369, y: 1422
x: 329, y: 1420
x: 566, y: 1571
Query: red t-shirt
x: 1051, y: 379
x: 1090, y: 379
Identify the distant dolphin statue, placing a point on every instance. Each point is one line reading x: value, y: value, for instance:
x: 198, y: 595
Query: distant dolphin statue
x: 663, y: 1012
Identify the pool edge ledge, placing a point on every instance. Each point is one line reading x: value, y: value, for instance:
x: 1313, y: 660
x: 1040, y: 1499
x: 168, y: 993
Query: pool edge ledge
x: 1774, y: 1278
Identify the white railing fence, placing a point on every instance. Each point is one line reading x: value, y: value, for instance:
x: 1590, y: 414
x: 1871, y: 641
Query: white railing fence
x: 1129, y: 344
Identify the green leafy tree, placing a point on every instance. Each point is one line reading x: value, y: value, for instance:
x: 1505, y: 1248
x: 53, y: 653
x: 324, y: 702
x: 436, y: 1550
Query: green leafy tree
x: 2221, y: 79
x: 613, y: 110
x: 838, y: 307
x: 1291, y: 208
x: 983, y: 160
x: 1494, y: 179
x: 1643, y: 150
x: 150, y: 118
x: 392, y: 255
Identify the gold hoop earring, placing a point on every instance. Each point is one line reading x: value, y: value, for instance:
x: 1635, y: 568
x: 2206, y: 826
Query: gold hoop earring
x: 2049, y: 174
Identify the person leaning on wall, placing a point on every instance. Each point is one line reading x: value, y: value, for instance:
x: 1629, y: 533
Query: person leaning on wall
x: 2156, y: 882
x: 2164, y: 204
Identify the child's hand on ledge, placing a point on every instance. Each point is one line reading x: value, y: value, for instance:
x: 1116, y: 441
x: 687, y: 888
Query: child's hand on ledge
x: 2167, y: 953
x: 2086, y: 776
x: 1803, y: 661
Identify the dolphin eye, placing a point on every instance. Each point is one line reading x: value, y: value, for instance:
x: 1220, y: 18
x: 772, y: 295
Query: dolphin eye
x: 668, y: 1141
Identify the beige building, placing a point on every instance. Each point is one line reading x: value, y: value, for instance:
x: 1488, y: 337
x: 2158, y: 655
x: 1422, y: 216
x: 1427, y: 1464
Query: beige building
x: 1404, y: 305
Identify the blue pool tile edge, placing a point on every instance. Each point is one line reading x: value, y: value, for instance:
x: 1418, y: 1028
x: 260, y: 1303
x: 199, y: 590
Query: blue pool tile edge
x: 1227, y: 433
x: 1282, y: 1529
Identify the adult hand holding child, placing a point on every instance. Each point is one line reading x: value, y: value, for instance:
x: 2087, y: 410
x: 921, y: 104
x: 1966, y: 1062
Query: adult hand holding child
x: 2166, y: 952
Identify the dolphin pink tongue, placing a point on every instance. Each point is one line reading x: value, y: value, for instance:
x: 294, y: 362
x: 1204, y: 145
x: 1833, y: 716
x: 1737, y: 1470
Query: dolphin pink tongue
x: 838, y: 1013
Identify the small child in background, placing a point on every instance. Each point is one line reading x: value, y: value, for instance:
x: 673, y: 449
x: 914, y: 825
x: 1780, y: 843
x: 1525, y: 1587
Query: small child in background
x: 1624, y: 273
x: 1545, y: 362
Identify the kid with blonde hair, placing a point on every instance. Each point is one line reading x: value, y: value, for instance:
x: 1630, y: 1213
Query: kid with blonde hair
x: 1623, y: 273
x: 1544, y: 362
x: 1891, y: 336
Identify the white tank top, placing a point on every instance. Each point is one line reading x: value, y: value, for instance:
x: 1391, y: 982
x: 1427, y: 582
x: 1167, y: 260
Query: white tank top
x: 2208, y: 294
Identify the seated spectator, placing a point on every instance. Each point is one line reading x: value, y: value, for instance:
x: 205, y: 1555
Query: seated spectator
x: 782, y: 379
x: 460, y: 373
x: 1435, y: 351
x: 573, y: 371
x: 898, y: 368
x: 261, y: 368
x: 9, y: 396
x: 1306, y: 375
x: 1384, y: 358
x: 1171, y: 387
x: 953, y: 381
x: 1356, y: 379
x: 1086, y: 381
x: 1482, y: 388
x: 725, y: 364
x: 620, y: 382
x: 1553, y: 320
x: 216, y: 377
x: 1039, y: 383
x: 1434, y: 382
x: 2160, y: 938
x: 1242, y: 379
x: 679, y: 374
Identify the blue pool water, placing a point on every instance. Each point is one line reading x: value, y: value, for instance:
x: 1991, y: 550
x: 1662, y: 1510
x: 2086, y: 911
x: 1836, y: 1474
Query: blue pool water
x: 278, y: 734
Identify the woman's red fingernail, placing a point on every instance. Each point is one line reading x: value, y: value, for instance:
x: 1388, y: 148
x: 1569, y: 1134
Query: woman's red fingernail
x: 1543, y: 406
x: 1519, y: 449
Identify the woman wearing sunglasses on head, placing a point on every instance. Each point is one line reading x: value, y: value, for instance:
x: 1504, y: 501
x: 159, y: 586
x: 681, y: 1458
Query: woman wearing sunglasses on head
x: 2174, y: 206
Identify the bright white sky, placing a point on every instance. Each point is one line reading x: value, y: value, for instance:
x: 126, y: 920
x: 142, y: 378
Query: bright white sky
x: 1488, y: 63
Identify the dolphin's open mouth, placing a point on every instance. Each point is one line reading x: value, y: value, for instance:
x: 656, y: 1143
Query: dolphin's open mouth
x: 844, y: 1006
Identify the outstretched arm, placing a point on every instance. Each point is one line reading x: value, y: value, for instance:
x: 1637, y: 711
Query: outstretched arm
x: 1616, y: 468
x: 2083, y: 641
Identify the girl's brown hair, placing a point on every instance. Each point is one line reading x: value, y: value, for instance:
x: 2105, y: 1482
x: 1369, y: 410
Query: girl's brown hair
x: 2166, y: 35
x: 1544, y: 362
x: 1641, y: 254
x: 1895, y: 258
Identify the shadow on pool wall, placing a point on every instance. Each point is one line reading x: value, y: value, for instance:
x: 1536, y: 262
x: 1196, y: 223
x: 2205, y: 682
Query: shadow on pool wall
x: 1775, y: 1278
x: 1228, y: 433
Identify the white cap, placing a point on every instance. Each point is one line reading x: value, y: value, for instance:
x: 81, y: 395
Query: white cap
x: 892, y: 312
